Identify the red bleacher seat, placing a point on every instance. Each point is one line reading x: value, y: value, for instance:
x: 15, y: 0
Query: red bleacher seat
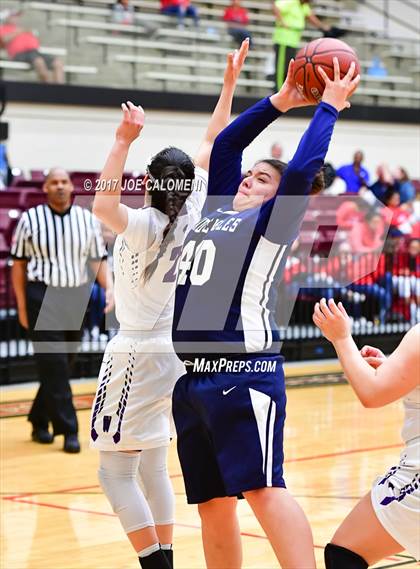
x: 7, y: 298
x: 28, y: 184
x: 32, y: 199
x: 11, y: 199
x: 37, y: 175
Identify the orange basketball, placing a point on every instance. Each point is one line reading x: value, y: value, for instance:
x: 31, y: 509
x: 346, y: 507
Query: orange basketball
x: 321, y: 52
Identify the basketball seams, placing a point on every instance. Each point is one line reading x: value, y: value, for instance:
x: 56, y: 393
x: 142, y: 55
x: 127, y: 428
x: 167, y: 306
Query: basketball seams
x: 334, y: 51
x: 315, y: 52
x: 320, y: 80
x: 320, y: 53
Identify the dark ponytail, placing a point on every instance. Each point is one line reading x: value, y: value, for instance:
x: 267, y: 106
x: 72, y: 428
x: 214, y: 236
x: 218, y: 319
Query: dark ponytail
x: 171, y: 175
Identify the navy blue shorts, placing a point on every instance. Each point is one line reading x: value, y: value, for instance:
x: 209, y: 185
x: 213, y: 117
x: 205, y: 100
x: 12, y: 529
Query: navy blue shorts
x: 230, y: 427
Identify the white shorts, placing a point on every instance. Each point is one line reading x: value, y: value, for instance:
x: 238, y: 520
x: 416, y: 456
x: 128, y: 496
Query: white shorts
x: 132, y: 406
x: 396, y: 500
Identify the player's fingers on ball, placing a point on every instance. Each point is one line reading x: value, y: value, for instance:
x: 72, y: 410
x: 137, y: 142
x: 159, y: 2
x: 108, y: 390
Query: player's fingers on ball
x: 350, y: 72
x: 336, y: 69
x: 354, y: 84
x: 323, y: 75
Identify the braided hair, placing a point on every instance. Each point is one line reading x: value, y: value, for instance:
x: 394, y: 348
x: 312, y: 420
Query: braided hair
x: 171, y: 173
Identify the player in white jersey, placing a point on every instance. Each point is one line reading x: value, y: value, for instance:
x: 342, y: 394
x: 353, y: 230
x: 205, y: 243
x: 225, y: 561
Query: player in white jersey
x: 130, y: 423
x: 387, y: 520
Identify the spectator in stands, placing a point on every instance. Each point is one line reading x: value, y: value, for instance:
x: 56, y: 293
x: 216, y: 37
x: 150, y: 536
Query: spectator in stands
x: 383, y: 184
x: 276, y: 151
x: 23, y: 46
x: 400, y: 224
x: 354, y: 174
x: 181, y: 9
x: 237, y: 18
x: 291, y: 17
x: 123, y: 12
x: 404, y: 185
x: 53, y: 247
x: 367, y: 234
x: 348, y: 214
x: 406, y: 283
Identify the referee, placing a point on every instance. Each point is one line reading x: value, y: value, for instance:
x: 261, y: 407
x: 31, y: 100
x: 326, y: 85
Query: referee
x: 53, y: 247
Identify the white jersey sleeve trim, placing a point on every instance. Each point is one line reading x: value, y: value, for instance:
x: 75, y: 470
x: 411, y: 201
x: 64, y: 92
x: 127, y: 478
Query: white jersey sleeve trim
x: 199, y: 194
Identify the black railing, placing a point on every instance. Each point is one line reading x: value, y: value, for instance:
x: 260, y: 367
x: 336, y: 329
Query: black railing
x: 383, y: 305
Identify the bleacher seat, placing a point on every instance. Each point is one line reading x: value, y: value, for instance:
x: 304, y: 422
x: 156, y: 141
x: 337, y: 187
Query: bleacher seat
x: 32, y: 199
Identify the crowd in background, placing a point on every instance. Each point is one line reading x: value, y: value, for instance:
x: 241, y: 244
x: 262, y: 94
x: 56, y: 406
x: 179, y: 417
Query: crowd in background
x: 366, y: 224
x: 289, y: 21
x: 389, y: 291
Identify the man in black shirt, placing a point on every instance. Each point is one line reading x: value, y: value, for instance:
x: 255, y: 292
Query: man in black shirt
x: 52, y: 248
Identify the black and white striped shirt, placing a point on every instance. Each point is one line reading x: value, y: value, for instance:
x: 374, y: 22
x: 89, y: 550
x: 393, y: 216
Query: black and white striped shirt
x: 58, y: 246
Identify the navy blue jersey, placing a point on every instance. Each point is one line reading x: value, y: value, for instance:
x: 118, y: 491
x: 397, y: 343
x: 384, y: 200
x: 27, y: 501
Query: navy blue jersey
x: 232, y: 262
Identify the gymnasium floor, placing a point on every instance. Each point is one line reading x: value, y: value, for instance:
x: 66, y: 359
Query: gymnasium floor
x: 54, y: 515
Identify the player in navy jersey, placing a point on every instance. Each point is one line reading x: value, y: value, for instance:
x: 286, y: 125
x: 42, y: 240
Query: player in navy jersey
x: 229, y: 408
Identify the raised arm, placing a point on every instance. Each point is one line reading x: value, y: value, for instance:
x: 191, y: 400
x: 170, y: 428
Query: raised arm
x: 221, y: 114
x: 226, y: 156
x: 106, y: 205
x: 396, y: 377
x: 313, y: 147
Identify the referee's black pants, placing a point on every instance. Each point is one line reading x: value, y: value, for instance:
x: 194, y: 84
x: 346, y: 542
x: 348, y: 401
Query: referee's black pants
x: 55, y: 332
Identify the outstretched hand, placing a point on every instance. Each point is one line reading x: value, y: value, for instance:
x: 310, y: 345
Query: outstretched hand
x: 338, y: 90
x: 234, y: 63
x: 332, y: 320
x: 289, y: 97
x: 131, y: 124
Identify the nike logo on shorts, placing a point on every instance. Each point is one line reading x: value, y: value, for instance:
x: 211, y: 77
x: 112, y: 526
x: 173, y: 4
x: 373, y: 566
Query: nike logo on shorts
x: 226, y: 391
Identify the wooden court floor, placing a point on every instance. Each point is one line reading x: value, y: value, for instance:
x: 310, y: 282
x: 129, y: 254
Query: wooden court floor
x: 54, y: 516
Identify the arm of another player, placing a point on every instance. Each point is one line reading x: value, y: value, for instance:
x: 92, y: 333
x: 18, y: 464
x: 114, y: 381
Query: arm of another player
x: 226, y: 157
x: 104, y: 277
x: 221, y: 114
x: 106, y: 205
x: 394, y: 378
x: 313, y: 147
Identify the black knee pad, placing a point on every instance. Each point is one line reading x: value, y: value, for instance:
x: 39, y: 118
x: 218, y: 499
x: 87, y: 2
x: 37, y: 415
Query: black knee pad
x: 337, y: 557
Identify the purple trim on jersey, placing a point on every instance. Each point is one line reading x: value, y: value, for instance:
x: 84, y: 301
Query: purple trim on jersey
x: 101, y: 396
x: 122, y: 403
